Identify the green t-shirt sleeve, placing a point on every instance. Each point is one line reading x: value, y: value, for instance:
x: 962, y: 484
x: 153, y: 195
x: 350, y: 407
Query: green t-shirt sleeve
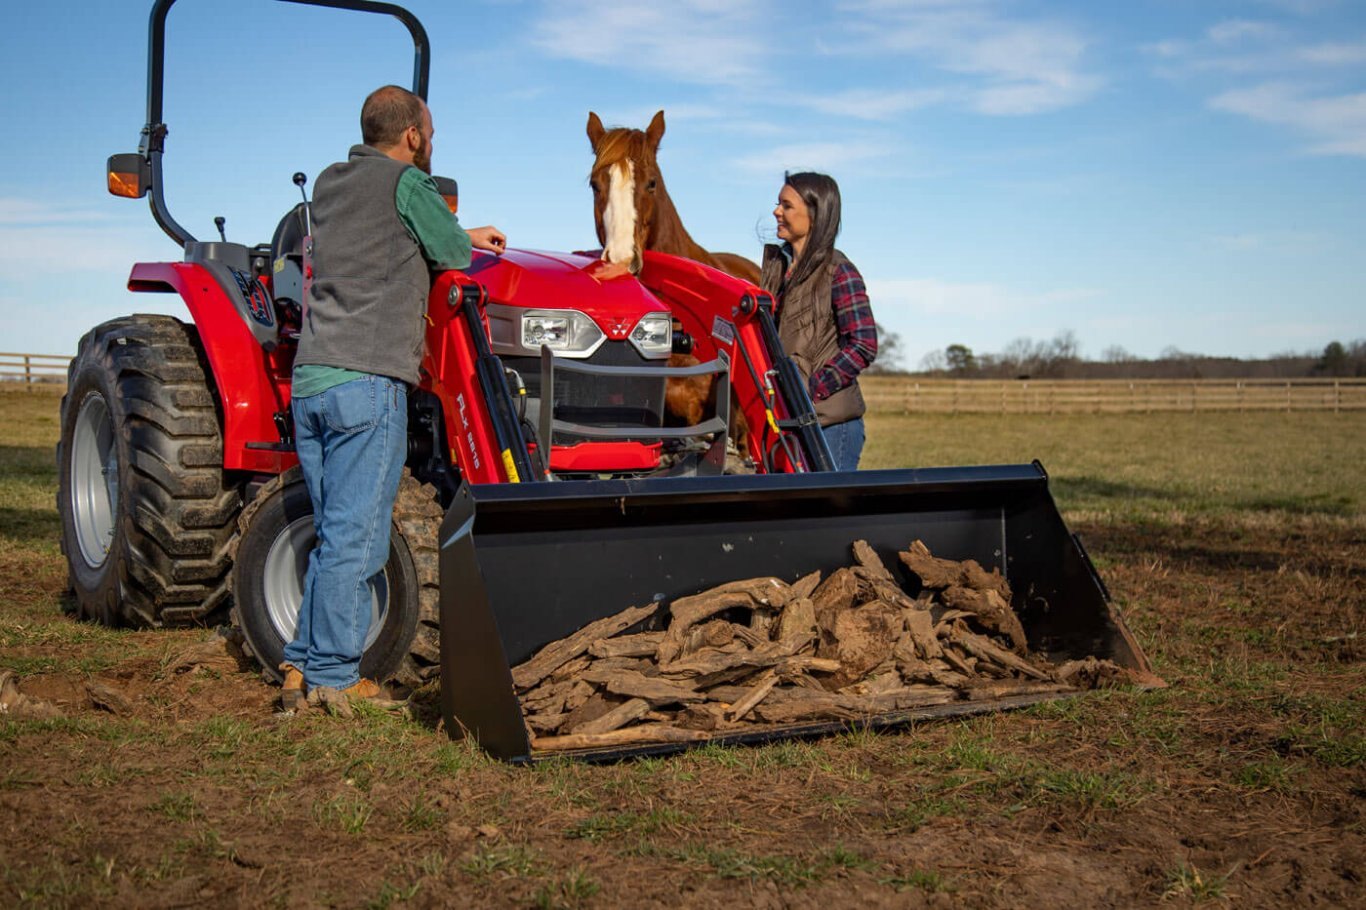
x: 444, y: 243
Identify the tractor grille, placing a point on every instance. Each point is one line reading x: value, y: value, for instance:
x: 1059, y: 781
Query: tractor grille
x: 604, y: 401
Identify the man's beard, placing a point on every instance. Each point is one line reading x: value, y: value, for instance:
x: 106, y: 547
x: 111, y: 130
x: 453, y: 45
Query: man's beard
x: 422, y: 158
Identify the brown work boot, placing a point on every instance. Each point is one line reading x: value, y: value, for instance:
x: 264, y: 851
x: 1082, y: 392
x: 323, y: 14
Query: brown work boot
x: 292, y: 691
x: 338, y: 702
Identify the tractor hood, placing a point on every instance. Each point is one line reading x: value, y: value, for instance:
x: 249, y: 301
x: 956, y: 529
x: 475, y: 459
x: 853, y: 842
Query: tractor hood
x: 531, y: 279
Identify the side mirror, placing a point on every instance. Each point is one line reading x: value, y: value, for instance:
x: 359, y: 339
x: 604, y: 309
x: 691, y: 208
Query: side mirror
x: 129, y: 175
x: 449, y: 191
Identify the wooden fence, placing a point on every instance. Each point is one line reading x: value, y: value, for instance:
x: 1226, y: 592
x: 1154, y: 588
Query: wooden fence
x: 908, y: 395
x: 34, y: 368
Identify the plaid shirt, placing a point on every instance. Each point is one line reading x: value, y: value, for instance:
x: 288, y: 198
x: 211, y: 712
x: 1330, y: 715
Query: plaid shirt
x: 857, y: 335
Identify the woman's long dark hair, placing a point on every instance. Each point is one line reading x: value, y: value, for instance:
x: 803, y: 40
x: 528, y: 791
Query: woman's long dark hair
x: 821, y: 194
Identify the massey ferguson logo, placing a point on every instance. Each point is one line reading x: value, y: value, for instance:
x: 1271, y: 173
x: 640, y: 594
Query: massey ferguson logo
x: 618, y: 330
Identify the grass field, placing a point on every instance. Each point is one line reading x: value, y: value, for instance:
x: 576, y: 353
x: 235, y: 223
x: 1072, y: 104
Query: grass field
x: 1235, y: 544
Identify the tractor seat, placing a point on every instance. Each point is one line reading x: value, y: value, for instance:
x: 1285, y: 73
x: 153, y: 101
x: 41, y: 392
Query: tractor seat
x: 287, y: 258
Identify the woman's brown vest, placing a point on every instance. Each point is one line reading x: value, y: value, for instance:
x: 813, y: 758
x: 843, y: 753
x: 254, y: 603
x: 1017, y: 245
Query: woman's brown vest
x: 806, y: 327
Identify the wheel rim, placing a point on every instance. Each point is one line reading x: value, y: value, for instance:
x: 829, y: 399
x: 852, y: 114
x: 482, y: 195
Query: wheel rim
x: 286, y: 566
x: 94, y: 480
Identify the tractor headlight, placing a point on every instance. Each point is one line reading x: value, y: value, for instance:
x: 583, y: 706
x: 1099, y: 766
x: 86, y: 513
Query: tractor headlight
x: 653, y: 335
x: 568, y: 333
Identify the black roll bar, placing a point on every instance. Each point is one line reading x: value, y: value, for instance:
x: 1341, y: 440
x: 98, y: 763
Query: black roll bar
x: 152, y: 144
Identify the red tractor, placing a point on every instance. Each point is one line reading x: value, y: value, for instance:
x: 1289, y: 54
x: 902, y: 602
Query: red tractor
x: 539, y: 431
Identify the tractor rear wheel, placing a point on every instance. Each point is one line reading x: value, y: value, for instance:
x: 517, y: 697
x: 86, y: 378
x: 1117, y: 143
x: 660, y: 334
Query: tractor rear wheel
x: 277, y: 536
x: 147, y: 514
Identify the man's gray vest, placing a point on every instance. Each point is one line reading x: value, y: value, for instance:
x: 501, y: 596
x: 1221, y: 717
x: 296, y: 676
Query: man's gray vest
x: 807, y: 329
x: 370, y: 283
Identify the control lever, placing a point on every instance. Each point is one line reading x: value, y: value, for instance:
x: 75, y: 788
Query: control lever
x: 299, y: 180
x: 219, y: 222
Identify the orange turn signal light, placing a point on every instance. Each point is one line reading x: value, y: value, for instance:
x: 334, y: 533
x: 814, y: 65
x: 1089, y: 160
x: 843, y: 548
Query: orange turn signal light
x: 449, y: 190
x: 128, y: 176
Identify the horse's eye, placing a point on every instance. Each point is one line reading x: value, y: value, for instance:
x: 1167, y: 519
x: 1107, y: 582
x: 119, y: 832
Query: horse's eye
x: 650, y: 187
x: 594, y: 185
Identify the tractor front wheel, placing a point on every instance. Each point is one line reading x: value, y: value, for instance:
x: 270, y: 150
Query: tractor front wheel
x: 277, y: 536
x: 148, y: 515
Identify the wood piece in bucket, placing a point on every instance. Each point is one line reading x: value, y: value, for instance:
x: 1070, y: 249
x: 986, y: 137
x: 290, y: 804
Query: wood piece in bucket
x: 655, y: 691
x: 958, y: 662
x: 545, y: 723
x: 704, y: 667
x: 991, y: 691
x: 979, y: 579
x: 983, y: 649
x: 593, y: 708
x: 686, y: 612
x: 876, y: 587
x: 863, y: 638
x: 908, y: 697
x: 645, y: 733
x: 992, y: 612
x: 641, y: 644
x: 798, y: 620
x: 762, y: 687
x: 803, y: 586
x: 620, y: 716
x: 920, y: 626
x: 715, y: 633
x: 558, y: 653
x: 571, y: 669
x: 867, y: 557
x: 703, y: 716
x: 836, y: 593
x: 933, y: 572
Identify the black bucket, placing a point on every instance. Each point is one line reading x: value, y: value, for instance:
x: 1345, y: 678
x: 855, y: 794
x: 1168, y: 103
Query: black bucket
x: 523, y: 565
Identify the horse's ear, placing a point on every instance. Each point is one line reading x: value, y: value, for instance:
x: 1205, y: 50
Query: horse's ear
x: 655, y: 132
x: 595, y: 130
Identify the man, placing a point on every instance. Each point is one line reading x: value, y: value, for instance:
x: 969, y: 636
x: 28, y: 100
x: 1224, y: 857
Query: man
x: 379, y: 229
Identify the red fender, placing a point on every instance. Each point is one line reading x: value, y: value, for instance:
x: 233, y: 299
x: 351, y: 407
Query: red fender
x: 252, y: 384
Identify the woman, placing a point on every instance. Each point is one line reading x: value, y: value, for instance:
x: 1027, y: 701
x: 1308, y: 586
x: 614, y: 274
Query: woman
x: 824, y: 320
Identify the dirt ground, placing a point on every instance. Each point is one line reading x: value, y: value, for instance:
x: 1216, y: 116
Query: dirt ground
x: 149, y: 769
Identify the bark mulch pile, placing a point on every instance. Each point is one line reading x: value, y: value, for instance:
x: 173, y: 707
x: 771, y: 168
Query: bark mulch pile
x: 764, y: 653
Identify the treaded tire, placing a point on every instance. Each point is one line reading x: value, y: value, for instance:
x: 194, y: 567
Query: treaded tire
x: 140, y: 409
x: 271, y: 557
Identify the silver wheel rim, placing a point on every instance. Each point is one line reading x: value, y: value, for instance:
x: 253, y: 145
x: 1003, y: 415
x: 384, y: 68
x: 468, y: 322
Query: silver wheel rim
x: 283, y: 584
x: 94, y: 480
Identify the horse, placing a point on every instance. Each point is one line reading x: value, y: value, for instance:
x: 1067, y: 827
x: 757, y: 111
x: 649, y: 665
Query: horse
x: 633, y: 212
x: 631, y: 207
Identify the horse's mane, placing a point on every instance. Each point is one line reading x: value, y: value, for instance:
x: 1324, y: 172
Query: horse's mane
x: 622, y: 143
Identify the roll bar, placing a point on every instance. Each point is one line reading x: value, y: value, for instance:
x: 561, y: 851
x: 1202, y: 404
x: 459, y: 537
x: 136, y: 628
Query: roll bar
x: 152, y: 145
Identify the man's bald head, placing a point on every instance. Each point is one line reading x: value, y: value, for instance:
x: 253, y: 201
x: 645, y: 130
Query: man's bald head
x: 387, y: 114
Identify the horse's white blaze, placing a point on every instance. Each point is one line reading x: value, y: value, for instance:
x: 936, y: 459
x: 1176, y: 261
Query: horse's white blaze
x: 619, y: 216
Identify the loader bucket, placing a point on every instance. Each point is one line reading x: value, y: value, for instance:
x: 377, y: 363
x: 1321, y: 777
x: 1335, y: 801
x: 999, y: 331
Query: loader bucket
x: 524, y: 565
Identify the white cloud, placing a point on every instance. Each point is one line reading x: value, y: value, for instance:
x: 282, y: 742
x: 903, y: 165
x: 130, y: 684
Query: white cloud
x: 1335, y: 124
x: 873, y: 104
x: 60, y: 248
x: 708, y: 42
x: 15, y: 212
x: 1013, y: 66
x: 820, y: 156
x: 1234, y: 31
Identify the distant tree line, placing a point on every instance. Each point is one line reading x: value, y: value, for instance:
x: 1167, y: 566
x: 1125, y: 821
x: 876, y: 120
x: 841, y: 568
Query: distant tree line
x: 1061, y: 358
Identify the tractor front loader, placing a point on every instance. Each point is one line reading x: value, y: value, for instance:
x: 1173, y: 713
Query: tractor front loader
x: 544, y: 487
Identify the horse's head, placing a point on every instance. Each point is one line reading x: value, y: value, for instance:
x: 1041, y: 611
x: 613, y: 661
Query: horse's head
x: 625, y: 180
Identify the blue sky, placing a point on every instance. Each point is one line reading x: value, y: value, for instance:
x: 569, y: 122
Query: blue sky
x: 1145, y: 174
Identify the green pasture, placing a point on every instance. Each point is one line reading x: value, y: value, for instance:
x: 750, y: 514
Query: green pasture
x: 1194, y: 521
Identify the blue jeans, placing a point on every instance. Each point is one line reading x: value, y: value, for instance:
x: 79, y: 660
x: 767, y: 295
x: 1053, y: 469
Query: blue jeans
x: 352, y: 440
x: 846, y: 443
